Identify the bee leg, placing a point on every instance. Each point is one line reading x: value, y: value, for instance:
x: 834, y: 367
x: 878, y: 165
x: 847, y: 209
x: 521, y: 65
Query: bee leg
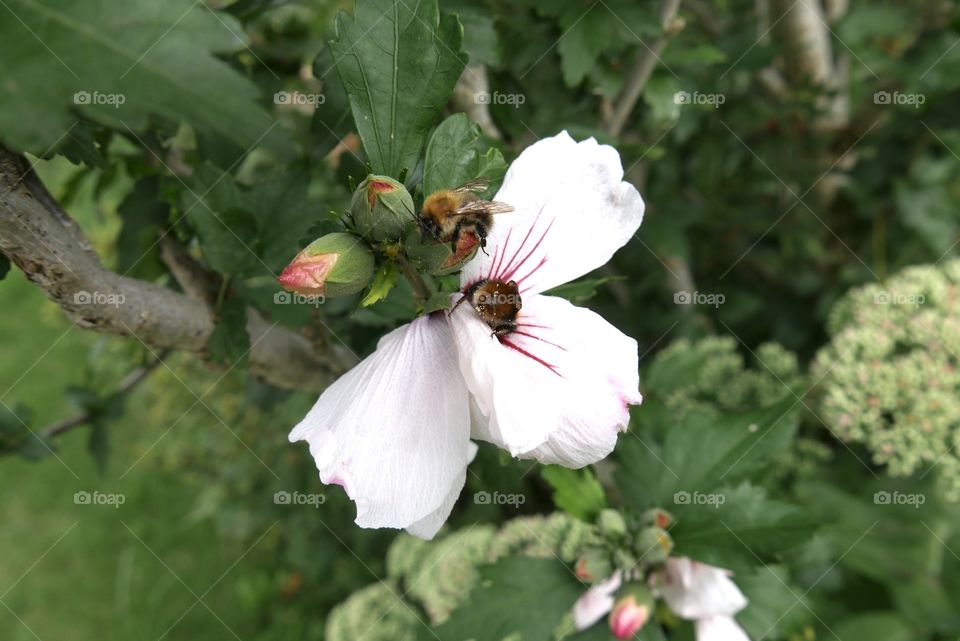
x: 481, y: 232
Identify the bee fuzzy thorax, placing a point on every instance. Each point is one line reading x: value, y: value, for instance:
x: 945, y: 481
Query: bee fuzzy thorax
x: 498, y: 304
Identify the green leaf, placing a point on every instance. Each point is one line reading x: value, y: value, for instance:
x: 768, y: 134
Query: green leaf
x: 516, y: 595
x: 742, y: 530
x: 248, y: 232
x: 98, y: 444
x: 144, y: 213
x: 777, y: 608
x: 576, y: 492
x: 383, y: 282
x: 398, y: 62
x: 702, y: 454
x: 119, y: 62
x: 229, y: 343
x: 456, y: 155
x: 876, y: 626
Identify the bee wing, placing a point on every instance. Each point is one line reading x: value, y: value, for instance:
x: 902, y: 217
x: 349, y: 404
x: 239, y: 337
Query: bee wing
x: 482, y: 206
x: 475, y: 185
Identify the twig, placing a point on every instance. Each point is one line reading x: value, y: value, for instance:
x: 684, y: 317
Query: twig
x: 131, y: 380
x: 643, y: 67
x: 421, y: 290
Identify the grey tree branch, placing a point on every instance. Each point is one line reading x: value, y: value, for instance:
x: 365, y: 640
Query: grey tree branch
x: 473, y: 84
x: 49, y: 247
x: 643, y: 67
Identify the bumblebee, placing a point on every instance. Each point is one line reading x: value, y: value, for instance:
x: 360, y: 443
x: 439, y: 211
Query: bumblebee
x: 448, y: 214
x: 497, y: 303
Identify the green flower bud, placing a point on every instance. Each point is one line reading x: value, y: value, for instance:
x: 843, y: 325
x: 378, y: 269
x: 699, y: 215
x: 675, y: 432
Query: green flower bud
x: 654, y: 545
x: 381, y: 209
x: 656, y: 517
x: 333, y: 265
x: 593, y: 565
x: 611, y: 524
x: 434, y: 257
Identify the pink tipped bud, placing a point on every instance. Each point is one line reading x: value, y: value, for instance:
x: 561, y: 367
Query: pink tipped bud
x: 628, y: 616
x: 308, y: 274
x: 333, y: 265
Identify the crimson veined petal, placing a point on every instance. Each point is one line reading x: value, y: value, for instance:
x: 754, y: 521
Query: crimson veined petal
x: 394, y: 431
x: 695, y: 590
x: 572, y: 212
x: 557, y: 388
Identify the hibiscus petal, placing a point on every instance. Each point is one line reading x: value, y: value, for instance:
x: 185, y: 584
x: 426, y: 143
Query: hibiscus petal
x: 719, y: 628
x: 556, y: 389
x: 394, y: 431
x: 595, y: 602
x: 695, y: 590
x: 572, y: 212
x: 428, y: 526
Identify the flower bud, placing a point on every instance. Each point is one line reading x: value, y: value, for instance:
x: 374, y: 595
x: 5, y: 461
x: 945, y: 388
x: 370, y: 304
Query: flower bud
x: 654, y: 545
x: 381, y: 209
x: 631, y: 610
x: 333, y: 265
x: 611, y: 524
x: 434, y: 257
x: 593, y: 565
x: 656, y: 517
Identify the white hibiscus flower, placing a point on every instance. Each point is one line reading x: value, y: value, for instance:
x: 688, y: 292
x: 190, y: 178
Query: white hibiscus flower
x: 395, y: 430
x: 704, y: 594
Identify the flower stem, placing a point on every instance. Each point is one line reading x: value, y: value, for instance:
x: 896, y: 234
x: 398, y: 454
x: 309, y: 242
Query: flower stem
x: 421, y: 290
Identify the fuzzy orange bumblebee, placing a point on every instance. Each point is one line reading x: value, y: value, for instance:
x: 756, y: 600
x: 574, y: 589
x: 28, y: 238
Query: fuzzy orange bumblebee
x: 449, y: 214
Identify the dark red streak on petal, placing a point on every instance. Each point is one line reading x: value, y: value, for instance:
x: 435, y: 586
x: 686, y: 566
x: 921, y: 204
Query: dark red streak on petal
x: 498, y: 255
x: 513, y: 270
x: 515, y: 347
x: 509, y: 266
x: 542, y: 340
